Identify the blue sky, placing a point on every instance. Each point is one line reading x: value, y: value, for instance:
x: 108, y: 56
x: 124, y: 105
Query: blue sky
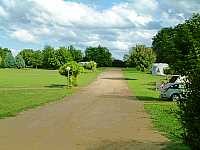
x: 116, y: 24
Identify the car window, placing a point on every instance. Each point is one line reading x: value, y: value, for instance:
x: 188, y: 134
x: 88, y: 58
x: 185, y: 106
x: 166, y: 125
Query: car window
x: 175, y: 86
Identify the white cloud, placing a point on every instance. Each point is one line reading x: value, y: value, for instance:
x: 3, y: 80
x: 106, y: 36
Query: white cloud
x: 64, y: 22
x: 3, y: 13
x: 24, y: 36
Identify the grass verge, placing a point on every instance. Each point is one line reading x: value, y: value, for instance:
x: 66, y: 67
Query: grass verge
x: 28, y: 88
x: 163, y: 113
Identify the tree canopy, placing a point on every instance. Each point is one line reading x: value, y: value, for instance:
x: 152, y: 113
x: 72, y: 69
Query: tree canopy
x: 141, y: 57
x: 100, y: 55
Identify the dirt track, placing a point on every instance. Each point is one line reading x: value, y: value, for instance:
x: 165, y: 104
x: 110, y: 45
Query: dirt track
x: 102, y: 116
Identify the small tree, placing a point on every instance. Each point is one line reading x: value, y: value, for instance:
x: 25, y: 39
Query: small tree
x: 20, y: 63
x: 74, y: 70
x: 9, y: 61
x: 141, y: 57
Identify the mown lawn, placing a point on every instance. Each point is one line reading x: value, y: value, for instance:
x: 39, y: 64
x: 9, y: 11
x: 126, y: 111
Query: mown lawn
x: 163, y: 113
x: 28, y: 88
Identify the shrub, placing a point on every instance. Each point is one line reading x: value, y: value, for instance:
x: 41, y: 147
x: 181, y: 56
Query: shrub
x: 90, y: 66
x: 169, y: 71
x: 190, y: 111
x: 75, y: 70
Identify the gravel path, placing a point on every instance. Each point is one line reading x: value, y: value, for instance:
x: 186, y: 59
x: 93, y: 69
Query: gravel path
x: 102, y: 116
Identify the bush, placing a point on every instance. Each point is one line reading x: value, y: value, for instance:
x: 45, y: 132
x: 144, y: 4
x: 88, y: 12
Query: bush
x: 190, y: 111
x: 169, y: 71
x: 90, y: 66
x: 75, y: 70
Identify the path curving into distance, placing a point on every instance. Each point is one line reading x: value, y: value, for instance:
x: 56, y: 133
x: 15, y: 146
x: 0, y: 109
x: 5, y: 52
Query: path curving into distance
x: 101, y: 116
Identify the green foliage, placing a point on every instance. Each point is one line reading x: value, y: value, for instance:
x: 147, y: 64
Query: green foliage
x: 118, y: 63
x: 50, y: 61
x: 27, y: 56
x: 141, y: 57
x: 71, y: 69
x: 168, y: 71
x: 100, y: 55
x: 0, y: 61
x: 3, y: 53
x: 182, y: 43
x: 9, y: 61
x: 63, y: 55
x: 20, y: 63
x: 190, y: 110
x: 37, y: 59
x: 77, y: 55
x: 90, y: 65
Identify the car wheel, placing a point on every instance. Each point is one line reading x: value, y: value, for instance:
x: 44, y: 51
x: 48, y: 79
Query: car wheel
x: 175, y: 97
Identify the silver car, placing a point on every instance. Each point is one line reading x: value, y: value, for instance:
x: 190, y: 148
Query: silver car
x: 173, y: 91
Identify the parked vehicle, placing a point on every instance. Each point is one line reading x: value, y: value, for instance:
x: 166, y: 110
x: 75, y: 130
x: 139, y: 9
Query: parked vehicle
x: 174, y: 91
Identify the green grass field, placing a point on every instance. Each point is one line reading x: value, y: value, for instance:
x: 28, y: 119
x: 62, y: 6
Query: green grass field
x: 163, y: 113
x: 28, y: 88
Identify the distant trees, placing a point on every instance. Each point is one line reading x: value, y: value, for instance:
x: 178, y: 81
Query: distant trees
x: 27, y: 56
x: 37, y: 59
x: 53, y: 58
x: 50, y: 61
x: 100, y: 55
x: 19, y: 62
x: 3, y: 53
x: 77, y: 55
x: 141, y: 57
x: 118, y: 63
x: 63, y: 55
x: 180, y: 47
x: 9, y: 61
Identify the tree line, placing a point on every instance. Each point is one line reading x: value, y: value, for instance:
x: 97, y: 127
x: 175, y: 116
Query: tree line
x: 52, y: 58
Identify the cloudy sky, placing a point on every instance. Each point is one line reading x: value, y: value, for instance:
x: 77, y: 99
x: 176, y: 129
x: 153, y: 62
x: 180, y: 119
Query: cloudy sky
x: 116, y: 24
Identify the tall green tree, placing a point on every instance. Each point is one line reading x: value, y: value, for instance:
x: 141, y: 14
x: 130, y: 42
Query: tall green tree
x: 20, y: 63
x: 3, y: 53
x: 77, y: 55
x: 163, y: 44
x: 50, y: 60
x: 185, y: 52
x: 27, y: 56
x: 63, y: 55
x: 100, y: 55
x: 141, y: 57
x: 9, y: 61
x: 37, y: 59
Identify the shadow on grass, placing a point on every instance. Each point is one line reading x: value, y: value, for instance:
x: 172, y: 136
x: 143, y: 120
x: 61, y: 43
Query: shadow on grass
x: 136, y: 145
x: 56, y: 86
x: 147, y: 98
x: 119, y: 78
x: 175, y: 146
x: 140, y: 98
